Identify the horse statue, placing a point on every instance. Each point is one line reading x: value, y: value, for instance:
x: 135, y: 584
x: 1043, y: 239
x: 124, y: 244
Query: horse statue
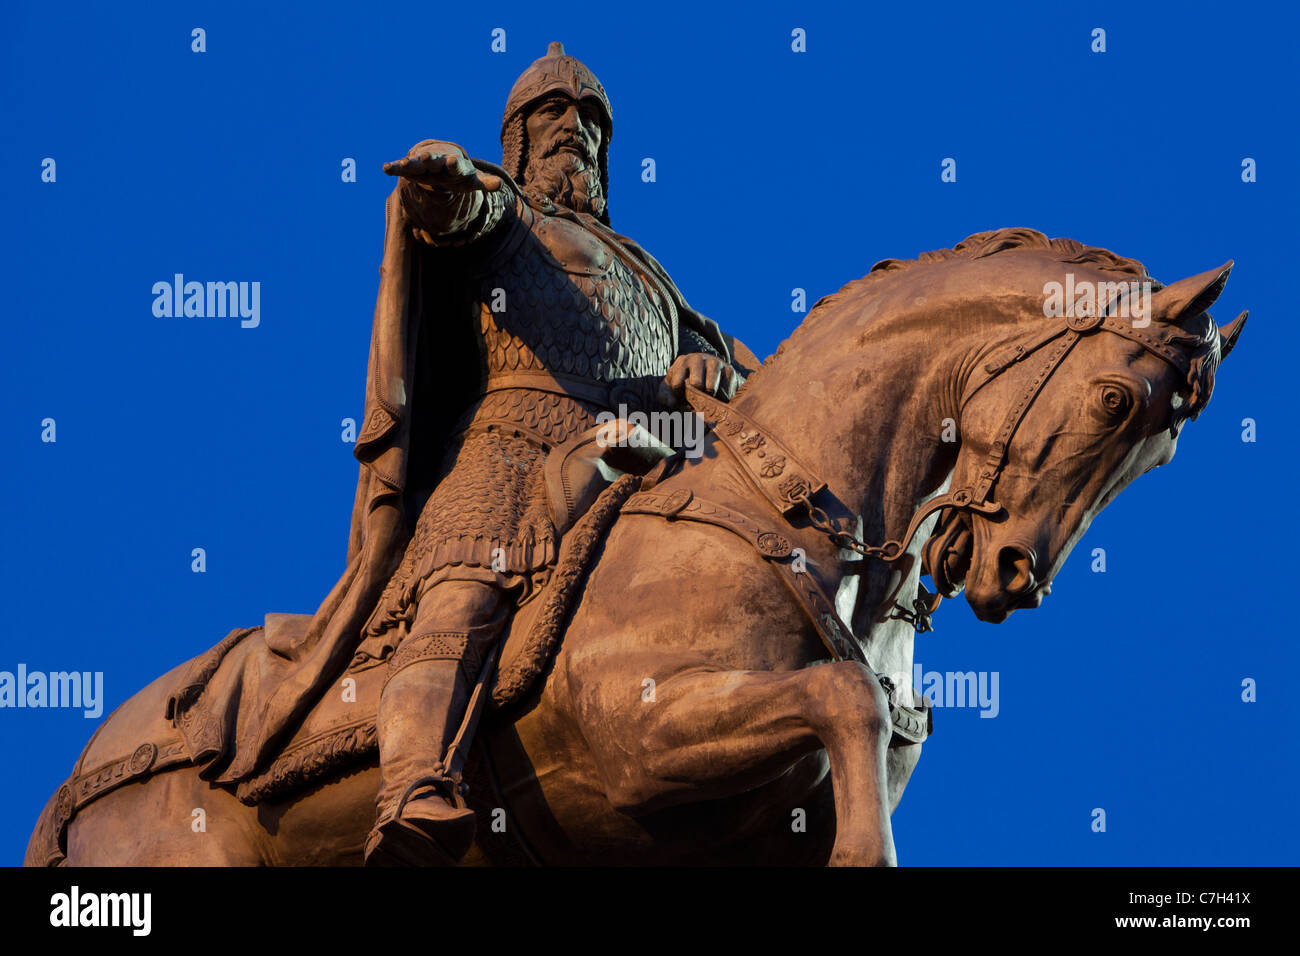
x: 706, y: 678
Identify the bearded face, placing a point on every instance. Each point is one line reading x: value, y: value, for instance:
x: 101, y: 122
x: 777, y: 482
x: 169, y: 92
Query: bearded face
x: 563, y: 144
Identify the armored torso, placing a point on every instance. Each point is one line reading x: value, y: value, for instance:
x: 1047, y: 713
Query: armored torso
x: 568, y: 327
x: 558, y: 298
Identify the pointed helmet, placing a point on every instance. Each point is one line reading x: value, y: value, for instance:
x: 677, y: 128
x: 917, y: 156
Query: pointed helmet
x: 554, y: 72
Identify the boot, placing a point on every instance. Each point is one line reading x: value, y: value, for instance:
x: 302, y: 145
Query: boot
x: 423, y: 819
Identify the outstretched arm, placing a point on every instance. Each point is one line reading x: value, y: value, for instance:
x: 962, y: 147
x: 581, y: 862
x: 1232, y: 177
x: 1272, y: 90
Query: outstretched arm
x: 449, y: 201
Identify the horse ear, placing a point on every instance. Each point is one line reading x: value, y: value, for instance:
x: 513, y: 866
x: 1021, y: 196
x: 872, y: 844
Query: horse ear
x: 1190, y: 296
x: 1228, y: 334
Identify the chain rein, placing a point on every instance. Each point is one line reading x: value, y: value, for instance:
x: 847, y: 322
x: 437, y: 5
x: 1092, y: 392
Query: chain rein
x: 823, y: 523
x: 962, y: 499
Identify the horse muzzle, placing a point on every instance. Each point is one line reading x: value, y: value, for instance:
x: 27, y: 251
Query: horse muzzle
x: 1006, y: 579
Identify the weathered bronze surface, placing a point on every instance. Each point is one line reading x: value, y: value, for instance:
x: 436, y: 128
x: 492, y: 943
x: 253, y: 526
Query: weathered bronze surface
x: 556, y: 640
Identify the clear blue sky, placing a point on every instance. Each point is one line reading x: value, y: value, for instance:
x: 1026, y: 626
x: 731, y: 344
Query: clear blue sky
x: 776, y: 170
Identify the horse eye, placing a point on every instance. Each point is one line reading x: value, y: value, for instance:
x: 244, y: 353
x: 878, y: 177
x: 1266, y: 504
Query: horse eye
x: 1115, y: 401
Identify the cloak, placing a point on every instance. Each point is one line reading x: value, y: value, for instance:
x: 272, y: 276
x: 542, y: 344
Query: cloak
x: 424, y: 369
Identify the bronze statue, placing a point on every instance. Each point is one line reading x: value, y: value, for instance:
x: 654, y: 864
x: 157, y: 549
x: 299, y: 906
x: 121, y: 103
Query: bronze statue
x: 572, y: 320
x: 557, y: 643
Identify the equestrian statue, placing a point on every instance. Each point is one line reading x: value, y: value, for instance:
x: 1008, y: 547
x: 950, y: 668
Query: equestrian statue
x: 562, y: 638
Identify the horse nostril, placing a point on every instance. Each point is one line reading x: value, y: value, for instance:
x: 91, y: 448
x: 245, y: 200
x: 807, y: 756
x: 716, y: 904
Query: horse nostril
x: 1016, y: 570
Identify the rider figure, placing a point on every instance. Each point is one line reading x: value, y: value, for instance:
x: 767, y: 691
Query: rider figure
x: 573, y: 320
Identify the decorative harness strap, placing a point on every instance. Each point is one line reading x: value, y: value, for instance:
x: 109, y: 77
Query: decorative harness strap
x: 784, y: 480
x: 89, y: 785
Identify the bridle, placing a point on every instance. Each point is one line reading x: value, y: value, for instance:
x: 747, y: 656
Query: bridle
x: 1058, y: 340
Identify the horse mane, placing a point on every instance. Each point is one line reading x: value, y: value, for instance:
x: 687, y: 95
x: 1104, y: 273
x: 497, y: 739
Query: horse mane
x: 1203, y: 338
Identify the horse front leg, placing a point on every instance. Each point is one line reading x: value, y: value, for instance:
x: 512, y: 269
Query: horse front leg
x: 703, y: 734
x: 900, y: 761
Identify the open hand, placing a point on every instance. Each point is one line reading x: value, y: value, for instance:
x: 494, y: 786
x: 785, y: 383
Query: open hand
x: 442, y: 166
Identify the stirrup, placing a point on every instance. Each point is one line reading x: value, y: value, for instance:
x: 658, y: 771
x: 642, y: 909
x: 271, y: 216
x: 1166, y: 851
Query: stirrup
x: 396, y: 841
x: 451, y: 789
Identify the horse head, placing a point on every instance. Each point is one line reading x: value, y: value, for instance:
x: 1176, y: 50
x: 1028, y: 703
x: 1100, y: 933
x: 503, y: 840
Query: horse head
x: 1061, y: 411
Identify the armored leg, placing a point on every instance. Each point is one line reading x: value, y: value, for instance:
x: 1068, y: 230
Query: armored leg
x: 422, y: 816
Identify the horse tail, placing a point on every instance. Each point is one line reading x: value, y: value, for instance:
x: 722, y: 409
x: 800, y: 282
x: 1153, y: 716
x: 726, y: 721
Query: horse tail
x: 46, y: 847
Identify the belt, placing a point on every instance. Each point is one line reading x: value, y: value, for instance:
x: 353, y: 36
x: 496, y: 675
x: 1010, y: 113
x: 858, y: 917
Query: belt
x: 605, y: 394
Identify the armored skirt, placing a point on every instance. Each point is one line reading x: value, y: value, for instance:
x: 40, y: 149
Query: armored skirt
x: 488, y: 519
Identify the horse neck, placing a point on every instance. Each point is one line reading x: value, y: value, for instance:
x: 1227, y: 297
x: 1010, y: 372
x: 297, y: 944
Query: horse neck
x: 863, y: 402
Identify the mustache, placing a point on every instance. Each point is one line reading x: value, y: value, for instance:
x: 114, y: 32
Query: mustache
x: 559, y: 143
